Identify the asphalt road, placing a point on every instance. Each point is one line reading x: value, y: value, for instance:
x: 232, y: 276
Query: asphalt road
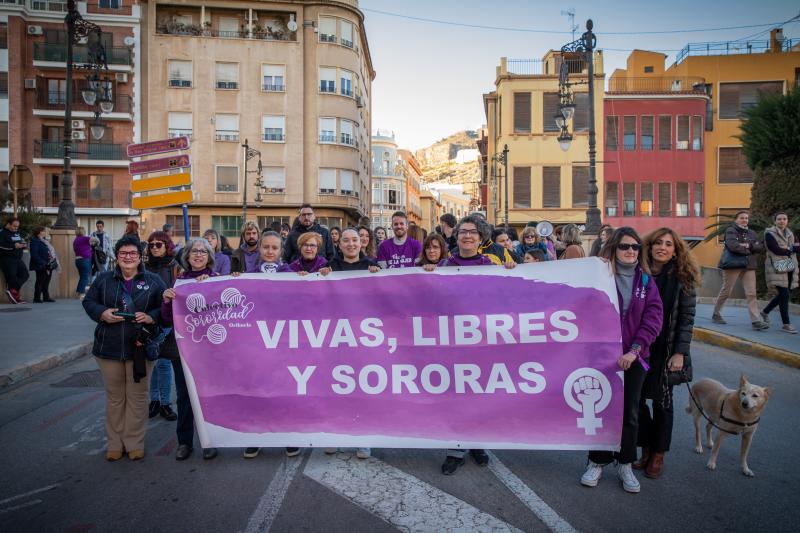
x: 54, y: 476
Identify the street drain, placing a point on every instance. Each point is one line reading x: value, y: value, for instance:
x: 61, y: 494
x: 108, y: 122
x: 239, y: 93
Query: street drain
x: 89, y: 378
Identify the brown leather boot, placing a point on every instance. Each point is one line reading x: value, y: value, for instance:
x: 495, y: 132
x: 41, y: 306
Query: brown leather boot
x: 641, y: 464
x: 656, y: 466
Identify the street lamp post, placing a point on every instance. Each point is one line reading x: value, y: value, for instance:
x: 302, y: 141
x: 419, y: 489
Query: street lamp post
x: 584, y: 46
x: 504, y: 160
x: 250, y: 153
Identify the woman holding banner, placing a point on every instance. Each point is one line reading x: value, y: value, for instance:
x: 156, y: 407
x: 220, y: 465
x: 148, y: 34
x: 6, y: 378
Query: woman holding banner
x: 309, y: 261
x: 640, y: 317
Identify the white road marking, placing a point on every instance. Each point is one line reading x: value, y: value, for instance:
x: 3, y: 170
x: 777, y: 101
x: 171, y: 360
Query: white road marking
x: 527, y: 496
x: 20, y: 506
x: 30, y: 493
x: 397, y: 497
x: 272, y: 499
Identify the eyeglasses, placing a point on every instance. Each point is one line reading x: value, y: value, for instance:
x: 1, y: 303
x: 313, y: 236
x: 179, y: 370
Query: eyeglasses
x: 199, y: 252
x: 128, y: 254
x: 466, y: 232
x: 156, y: 244
x: 310, y: 245
x: 625, y: 246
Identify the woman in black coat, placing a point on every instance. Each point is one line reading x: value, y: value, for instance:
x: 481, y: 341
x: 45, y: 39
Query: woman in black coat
x: 676, y: 275
x: 40, y: 263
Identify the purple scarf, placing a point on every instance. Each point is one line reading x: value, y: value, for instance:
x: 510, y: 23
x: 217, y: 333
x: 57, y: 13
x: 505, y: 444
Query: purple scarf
x: 311, y: 267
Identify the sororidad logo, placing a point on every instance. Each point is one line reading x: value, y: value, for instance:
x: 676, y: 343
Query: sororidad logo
x: 208, y: 320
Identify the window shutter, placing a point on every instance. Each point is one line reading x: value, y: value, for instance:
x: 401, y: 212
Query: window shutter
x: 227, y: 122
x: 522, y: 112
x: 271, y: 121
x: 682, y: 199
x: 346, y: 177
x: 580, y: 121
x: 729, y: 100
x: 327, y: 179
x: 645, y: 199
x: 227, y: 179
x: 682, y: 133
x: 628, y: 199
x: 272, y: 70
x: 522, y: 187
x: 551, y: 187
x: 327, y: 26
x: 180, y: 121
x: 733, y: 166
x: 612, y: 198
x: 612, y: 133
x: 227, y: 71
x: 549, y: 110
x: 647, y: 133
x: 664, y: 199
x: 275, y: 178
x: 347, y: 32
x: 697, y: 132
x: 580, y: 184
x: 180, y: 70
x: 665, y: 132
x: 736, y: 97
x: 629, y: 134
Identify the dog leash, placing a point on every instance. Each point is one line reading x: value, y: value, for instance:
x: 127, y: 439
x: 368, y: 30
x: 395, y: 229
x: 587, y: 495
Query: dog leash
x: 744, y: 425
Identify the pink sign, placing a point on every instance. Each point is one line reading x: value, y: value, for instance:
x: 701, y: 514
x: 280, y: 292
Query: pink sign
x: 474, y: 357
x: 160, y: 164
x: 158, y: 147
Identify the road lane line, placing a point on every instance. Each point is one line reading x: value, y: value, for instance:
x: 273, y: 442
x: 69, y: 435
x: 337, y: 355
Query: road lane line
x: 527, y: 496
x: 21, y: 506
x: 399, y: 498
x: 30, y: 493
x: 272, y: 499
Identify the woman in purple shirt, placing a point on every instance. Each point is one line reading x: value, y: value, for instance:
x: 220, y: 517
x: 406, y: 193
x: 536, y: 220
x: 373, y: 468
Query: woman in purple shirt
x: 82, y: 247
x: 309, y: 261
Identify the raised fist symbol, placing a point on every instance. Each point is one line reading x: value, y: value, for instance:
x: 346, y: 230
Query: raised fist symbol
x: 588, y: 391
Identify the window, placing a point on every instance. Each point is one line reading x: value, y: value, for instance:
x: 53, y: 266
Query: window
x: 580, y: 186
x: 228, y: 226
x: 4, y: 134
x: 346, y: 79
x: 612, y: 133
x: 227, y: 179
x: 347, y: 34
x: 681, y: 199
x: 628, y: 199
x: 551, y: 187
x: 346, y: 135
x: 327, y: 130
x: 177, y: 225
x: 267, y: 221
x: 682, y: 133
x: 612, y: 198
x: 3, y: 35
x: 647, y: 133
x: 698, y: 199
x: 549, y: 110
x: 734, y: 98
x: 697, y: 132
x: 179, y: 73
x: 710, y: 107
x: 733, y: 166
x: 56, y: 92
x: 648, y: 69
x: 346, y: 180
x: 274, y: 179
x: 327, y: 181
x: 376, y: 193
x: 645, y: 199
x: 227, y: 127
x: 665, y: 132
x: 228, y: 28
x: 580, y: 122
x: 522, y: 112
x: 327, y: 30
x: 327, y: 80
x: 664, y: 199
x: 3, y: 84
x: 273, y: 127
x: 110, y: 4
x: 94, y: 190
x: 272, y: 78
x: 227, y: 75
x: 179, y: 124
x: 629, y: 135
x: 522, y: 187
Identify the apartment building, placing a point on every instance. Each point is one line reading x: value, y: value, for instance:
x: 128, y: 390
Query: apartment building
x: 33, y: 100
x: 293, y: 80
x: 413, y: 174
x: 389, y: 189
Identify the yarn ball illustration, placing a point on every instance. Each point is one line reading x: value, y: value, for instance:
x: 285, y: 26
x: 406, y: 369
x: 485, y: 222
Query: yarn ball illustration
x: 217, y: 333
x: 195, y: 302
x: 231, y: 296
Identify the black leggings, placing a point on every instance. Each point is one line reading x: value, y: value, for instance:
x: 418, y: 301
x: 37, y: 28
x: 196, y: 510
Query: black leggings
x: 781, y: 300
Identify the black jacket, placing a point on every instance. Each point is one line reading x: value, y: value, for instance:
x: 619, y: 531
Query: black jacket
x: 8, y: 240
x: 164, y: 268
x: 735, y: 236
x: 40, y: 254
x: 116, y: 341
x: 338, y: 264
x: 290, y: 250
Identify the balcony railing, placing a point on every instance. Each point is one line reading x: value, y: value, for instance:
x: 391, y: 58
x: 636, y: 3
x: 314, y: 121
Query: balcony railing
x: 273, y: 88
x: 538, y: 67
x: 733, y: 48
x: 177, y: 132
x: 83, y: 197
x: 116, y: 55
x: 180, y: 82
x: 123, y: 103
x: 53, y: 6
x: 227, y: 135
x: 227, y: 84
x: 327, y: 137
x: 271, y: 32
x: 273, y: 137
x: 686, y: 85
x: 347, y: 139
x: 80, y: 150
x: 325, y: 38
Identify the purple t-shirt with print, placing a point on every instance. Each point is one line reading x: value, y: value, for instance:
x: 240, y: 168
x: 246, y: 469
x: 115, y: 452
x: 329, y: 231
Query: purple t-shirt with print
x: 399, y: 255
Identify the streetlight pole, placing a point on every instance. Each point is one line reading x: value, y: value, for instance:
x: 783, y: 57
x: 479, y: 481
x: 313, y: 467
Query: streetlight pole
x: 250, y: 153
x: 504, y: 160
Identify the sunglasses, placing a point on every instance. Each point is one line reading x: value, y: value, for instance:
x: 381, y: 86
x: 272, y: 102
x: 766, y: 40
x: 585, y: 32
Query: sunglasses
x: 157, y: 245
x: 624, y: 246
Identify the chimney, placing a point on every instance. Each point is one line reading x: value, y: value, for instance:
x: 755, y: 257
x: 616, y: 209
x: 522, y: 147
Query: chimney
x: 776, y: 40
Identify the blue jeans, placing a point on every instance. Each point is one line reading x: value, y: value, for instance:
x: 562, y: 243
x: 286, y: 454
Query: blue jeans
x: 84, y: 267
x: 161, y: 382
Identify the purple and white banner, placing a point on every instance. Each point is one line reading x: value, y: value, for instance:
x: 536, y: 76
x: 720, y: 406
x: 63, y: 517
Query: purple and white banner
x: 475, y: 357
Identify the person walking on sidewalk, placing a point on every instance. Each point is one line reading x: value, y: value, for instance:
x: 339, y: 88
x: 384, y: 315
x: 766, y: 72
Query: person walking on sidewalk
x: 42, y: 264
x: 103, y: 251
x: 11, y: 247
x: 780, y: 268
x: 82, y: 246
x: 738, y: 261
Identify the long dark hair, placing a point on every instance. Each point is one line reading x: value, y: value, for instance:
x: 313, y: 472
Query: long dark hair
x: 609, y: 249
x: 370, y: 251
x: 423, y: 260
x: 685, y: 264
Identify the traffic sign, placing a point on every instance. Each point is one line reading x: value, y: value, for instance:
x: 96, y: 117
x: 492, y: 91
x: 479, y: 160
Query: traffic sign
x: 158, y: 147
x: 161, y: 200
x: 161, y: 182
x: 158, y: 165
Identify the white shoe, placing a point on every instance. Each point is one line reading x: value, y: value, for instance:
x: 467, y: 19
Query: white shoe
x: 592, y: 474
x: 629, y: 481
x: 363, y: 453
x: 331, y: 451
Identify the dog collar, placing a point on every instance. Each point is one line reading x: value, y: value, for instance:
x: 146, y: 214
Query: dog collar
x: 736, y: 422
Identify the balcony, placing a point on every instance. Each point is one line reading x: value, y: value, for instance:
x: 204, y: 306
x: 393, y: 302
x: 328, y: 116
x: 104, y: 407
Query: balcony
x: 724, y: 48
x: 179, y: 82
x: 227, y: 135
x: 53, y: 103
x: 273, y: 137
x: 327, y: 137
x: 228, y: 85
x: 672, y: 85
x: 81, y: 151
x: 538, y: 67
x: 57, y: 52
x: 273, y: 88
x: 177, y: 132
x: 189, y: 22
x: 96, y: 197
x: 51, y: 6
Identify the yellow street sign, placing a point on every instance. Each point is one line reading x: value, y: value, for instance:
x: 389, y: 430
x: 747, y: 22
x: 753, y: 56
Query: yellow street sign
x: 161, y: 182
x: 161, y: 200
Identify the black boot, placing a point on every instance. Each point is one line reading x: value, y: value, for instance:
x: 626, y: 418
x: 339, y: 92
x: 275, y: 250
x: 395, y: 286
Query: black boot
x: 154, y: 409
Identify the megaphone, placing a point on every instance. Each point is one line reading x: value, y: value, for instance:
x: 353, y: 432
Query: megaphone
x: 544, y: 228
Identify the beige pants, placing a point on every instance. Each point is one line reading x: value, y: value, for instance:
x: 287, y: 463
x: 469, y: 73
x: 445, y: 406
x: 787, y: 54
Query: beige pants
x: 126, y: 404
x: 729, y: 278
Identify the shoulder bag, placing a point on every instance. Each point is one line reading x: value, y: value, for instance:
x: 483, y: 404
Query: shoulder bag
x: 731, y: 260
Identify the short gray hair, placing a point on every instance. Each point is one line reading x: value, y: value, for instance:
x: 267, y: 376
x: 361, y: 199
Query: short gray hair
x: 479, y: 223
x: 186, y: 250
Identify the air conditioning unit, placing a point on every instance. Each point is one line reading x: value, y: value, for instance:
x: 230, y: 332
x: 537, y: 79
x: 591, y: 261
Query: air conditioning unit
x: 359, y: 102
x: 79, y: 135
x: 78, y: 125
x: 676, y: 86
x: 682, y: 145
x: 30, y: 83
x: 122, y: 77
x: 35, y: 30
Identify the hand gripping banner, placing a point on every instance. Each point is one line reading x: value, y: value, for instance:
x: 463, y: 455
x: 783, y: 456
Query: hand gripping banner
x: 473, y: 357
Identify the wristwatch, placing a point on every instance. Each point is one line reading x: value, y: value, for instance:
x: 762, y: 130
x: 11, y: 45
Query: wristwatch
x: 636, y: 348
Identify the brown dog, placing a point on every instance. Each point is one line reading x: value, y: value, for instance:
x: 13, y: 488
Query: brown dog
x: 733, y: 411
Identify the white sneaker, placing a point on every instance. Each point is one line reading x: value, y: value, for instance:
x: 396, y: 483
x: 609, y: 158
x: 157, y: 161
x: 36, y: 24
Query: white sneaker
x: 629, y: 481
x: 331, y: 451
x: 592, y: 474
x: 363, y: 453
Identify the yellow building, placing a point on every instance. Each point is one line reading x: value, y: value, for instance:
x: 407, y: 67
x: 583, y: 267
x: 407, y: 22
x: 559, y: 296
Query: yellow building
x: 292, y: 78
x: 413, y: 173
x: 735, y: 74
x: 544, y: 182
x: 431, y: 210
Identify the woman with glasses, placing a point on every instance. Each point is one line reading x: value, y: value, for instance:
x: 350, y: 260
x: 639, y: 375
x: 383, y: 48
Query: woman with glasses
x: 222, y: 261
x: 434, y: 250
x: 197, y: 258
x: 531, y: 241
x: 161, y: 262
x: 640, y: 318
x: 124, y: 302
x: 309, y: 261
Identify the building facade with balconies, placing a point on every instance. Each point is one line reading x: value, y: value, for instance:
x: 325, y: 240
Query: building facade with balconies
x: 293, y: 79
x: 389, y: 189
x: 413, y: 174
x: 33, y: 65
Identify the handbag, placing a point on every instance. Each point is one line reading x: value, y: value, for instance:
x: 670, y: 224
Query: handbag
x: 731, y: 260
x: 782, y: 266
x: 684, y: 375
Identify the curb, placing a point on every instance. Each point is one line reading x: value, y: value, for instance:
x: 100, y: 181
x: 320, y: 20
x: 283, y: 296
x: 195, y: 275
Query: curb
x: 15, y: 375
x: 747, y: 347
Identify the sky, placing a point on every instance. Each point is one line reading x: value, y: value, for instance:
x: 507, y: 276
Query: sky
x: 431, y: 77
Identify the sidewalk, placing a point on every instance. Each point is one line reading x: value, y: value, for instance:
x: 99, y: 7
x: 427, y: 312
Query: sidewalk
x: 37, y: 337
x: 739, y: 335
